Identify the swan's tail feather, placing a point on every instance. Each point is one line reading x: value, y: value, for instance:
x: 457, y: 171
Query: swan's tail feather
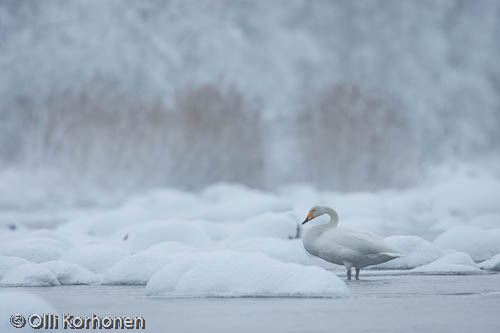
x: 393, y: 255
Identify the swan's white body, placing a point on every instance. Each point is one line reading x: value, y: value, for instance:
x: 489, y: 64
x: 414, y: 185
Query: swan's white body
x: 351, y: 248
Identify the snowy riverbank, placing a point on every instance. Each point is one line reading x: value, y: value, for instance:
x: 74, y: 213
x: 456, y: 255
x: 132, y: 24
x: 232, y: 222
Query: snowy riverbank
x: 229, y: 240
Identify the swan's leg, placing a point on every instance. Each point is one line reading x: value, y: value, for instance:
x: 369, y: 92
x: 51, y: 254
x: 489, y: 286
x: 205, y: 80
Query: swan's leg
x: 348, y: 266
x: 357, y: 273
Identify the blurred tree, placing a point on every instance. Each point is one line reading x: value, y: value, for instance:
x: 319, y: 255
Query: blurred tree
x: 352, y: 140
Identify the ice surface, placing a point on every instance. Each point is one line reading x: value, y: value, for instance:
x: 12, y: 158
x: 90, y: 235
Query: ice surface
x: 97, y: 258
x: 492, y: 264
x: 417, y: 252
x: 70, y: 274
x: 452, y: 263
x: 479, y: 243
x: 29, y: 275
x: 383, y: 303
x: 236, y: 274
x: 15, y: 302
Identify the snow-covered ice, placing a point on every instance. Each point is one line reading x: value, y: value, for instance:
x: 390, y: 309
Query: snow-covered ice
x: 32, y: 249
x: 70, y: 274
x: 382, y: 303
x: 140, y: 267
x: 275, y: 225
x: 492, y: 264
x: 452, y: 263
x: 97, y: 258
x: 143, y: 235
x: 228, y: 201
x: 150, y: 233
x: 29, y: 275
x: 417, y: 252
x: 481, y: 244
x: 231, y: 274
x: 279, y: 249
x: 7, y: 263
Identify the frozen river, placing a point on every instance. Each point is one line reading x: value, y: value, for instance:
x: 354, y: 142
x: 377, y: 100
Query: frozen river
x: 378, y: 303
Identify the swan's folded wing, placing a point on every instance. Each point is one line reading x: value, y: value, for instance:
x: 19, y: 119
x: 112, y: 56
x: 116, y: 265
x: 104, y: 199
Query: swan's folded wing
x: 362, y: 242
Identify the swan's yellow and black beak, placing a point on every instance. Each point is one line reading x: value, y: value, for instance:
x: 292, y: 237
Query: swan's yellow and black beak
x: 309, y: 217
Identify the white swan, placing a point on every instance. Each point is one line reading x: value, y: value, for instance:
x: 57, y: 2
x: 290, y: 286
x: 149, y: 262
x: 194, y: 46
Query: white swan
x: 351, y: 248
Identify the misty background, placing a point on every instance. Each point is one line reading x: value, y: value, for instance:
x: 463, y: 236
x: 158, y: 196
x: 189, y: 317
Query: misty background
x: 120, y: 96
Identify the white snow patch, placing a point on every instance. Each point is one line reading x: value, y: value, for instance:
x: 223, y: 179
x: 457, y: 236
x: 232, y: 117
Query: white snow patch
x: 277, y: 225
x: 452, y: 263
x: 140, y: 267
x: 234, y: 201
x: 236, y: 274
x: 486, y: 221
x: 480, y: 244
x: 144, y: 235
x: 71, y: 274
x: 417, y: 252
x: 33, y: 249
x: 53, y: 237
x: 372, y: 224
x: 492, y: 264
x: 7, y: 263
x: 97, y: 258
x: 29, y: 275
x: 279, y: 249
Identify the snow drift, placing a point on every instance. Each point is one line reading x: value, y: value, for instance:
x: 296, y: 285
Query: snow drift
x: 233, y: 274
x: 29, y: 275
x: 452, y: 263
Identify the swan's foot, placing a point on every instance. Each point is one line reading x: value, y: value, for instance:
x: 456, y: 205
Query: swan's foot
x: 348, y: 273
x: 357, y: 273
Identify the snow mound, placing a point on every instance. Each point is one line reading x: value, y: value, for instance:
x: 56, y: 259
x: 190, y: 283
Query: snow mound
x: 236, y: 274
x: 417, y: 252
x: 235, y: 201
x: 55, y: 238
x: 140, y: 267
x: 21, y: 303
x: 7, y: 263
x: 144, y: 235
x: 492, y: 264
x: 29, y: 275
x: 96, y: 258
x: 70, y: 274
x: 486, y: 221
x: 279, y: 249
x: 276, y: 225
x: 33, y: 249
x: 452, y: 263
x: 480, y: 244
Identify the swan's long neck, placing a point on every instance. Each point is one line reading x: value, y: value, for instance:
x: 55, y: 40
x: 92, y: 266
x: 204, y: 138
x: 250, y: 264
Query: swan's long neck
x: 334, y: 218
x: 314, y: 232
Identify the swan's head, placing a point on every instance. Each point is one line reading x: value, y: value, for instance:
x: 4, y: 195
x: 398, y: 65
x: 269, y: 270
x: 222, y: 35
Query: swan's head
x: 317, y: 211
